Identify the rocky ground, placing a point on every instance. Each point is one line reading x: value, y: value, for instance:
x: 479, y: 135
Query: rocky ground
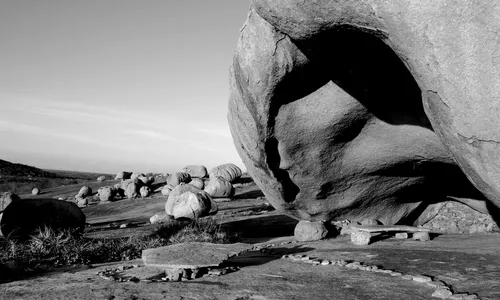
x: 272, y: 265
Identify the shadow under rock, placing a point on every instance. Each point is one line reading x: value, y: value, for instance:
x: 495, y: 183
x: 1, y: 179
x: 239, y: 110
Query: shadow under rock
x: 262, y: 228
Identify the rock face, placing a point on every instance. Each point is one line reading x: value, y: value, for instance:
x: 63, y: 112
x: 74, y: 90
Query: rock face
x: 359, y: 109
x: 188, y: 201
x: 21, y: 218
x: 196, y: 171
x: 6, y: 199
x: 310, y: 231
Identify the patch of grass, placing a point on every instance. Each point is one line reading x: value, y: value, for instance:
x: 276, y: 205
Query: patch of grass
x: 62, y: 248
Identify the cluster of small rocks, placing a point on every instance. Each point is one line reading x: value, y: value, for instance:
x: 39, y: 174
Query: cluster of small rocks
x: 182, y: 274
x: 455, y: 217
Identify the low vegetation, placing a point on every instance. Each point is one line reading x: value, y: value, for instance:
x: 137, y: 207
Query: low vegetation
x: 58, y: 249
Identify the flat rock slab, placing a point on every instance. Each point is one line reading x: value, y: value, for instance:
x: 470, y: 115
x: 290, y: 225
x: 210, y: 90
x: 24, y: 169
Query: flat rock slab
x: 191, y: 255
x: 401, y: 228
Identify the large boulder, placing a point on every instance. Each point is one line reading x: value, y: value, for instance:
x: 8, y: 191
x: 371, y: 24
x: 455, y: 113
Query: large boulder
x: 229, y: 172
x: 348, y: 110
x: 178, y: 178
x: 196, y: 171
x: 188, y: 201
x: 22, y: 218
x: 218, y: 187
x: 131, y: 188
x: 7, y: 198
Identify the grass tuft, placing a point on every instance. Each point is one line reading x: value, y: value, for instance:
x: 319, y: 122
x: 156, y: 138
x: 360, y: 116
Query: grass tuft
x: 61, y: 248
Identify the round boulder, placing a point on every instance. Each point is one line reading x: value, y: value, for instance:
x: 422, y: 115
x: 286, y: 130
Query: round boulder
x: 107, y: 193
x: 178, y: 178
x: 85, y: 191
x: 22, y: 218
x: 310, y: 231
x: 145, y: 191
x: 197, y: 182
x: 228, y: 172
x: 35, y: 191
x: 196, y: 171
x: 188, y: 201
x: 101, y: 178
x: 218, y: 187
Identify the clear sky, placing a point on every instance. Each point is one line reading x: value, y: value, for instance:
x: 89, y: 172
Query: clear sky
x: 111, y: 85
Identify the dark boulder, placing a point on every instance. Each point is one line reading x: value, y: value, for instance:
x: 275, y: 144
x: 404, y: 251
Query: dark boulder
x: 22, y: 218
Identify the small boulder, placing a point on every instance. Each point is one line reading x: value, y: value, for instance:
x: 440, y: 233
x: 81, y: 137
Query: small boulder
x: 145, y: 191
x: 360, y: 238
x: 195, y: 203
x: 131, y: 189
x: 229, y: 172
x: 198, y: 182
x: 107, y: 193
x: 85, y: 191
x: 101, y: 178
x: 165, y: 191
x: 123, y: 175
x: 82, y: 202
x: 196, y: 171
x: 218, y: 187
x: 421, y: 236
x: 35, y: 191
x: 370, y: 222
x: 136, y: 175
x: 310, y: 231
x: 22, y: 218
x: 178, y: 178
x: 160, y: 218
x: 6, y: 199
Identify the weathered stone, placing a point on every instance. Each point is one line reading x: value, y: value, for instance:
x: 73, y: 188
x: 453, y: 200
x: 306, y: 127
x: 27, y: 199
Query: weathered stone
x: 146, y: 180
x: 360, y: 238
x: 369, y: 222
x: 22, y: 218
x: 85, y: 191
x: 160, y: 218
x: 218, y: 187
x: 228, y: 172
x: 178, y: 178
x: 323, y: 129
x: 166, y: 190
x: 421, y: 236
x: 310, y: 231
x: 190, y: 255
x: 123, y: 175
x: 101, y: 178
x: 197, y: 182
x: 106, y: 193
x: 194, y: 204
x: 82, y: 202
x: 35, y: 191
x: 196, y: 171
x: 145, y: 191
x: 131, y: 188
x: 136, y: 175
x: 7, y: 198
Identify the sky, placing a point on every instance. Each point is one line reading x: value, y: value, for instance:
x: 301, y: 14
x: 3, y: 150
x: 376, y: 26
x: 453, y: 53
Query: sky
x: 117, y: 85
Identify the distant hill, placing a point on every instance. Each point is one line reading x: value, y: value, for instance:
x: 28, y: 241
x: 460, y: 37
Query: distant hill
x: 9, y: 169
